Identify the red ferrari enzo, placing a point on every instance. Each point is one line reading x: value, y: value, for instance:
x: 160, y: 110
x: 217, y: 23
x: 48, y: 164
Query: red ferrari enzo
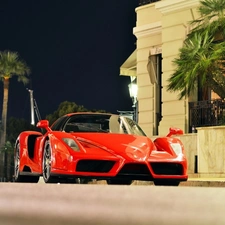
x: 98, y: 146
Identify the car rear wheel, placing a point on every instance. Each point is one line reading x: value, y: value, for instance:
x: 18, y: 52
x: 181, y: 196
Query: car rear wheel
x: 17, y: 176
x: 166, y: 183
x: 119, y: 182
x: 46, y: 164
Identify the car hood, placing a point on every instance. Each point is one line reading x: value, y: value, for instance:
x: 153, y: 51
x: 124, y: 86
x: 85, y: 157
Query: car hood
x: 127, y: 146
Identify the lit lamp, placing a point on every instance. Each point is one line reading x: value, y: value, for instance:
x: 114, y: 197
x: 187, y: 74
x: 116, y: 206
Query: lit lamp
x: 133, y: 89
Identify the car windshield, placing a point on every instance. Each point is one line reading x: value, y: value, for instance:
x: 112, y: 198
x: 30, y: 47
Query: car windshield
x: 105, y: 123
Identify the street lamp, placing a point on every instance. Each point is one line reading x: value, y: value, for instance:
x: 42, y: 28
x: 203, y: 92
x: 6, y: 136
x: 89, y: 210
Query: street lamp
x: 133, y: 89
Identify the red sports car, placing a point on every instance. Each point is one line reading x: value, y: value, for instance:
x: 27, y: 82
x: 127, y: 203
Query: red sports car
x: 98, y: 146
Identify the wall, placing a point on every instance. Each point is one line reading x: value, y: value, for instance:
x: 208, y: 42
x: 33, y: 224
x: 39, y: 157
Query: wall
x: 211, y: 151
x: 174, y: 31
x: 162, y: 25
x: 190, y: 145
x: 148, y: 33
x: 208, y: 145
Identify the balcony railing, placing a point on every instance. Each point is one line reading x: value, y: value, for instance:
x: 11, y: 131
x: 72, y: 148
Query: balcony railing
x: 145, y: 2
x: 206, y: 113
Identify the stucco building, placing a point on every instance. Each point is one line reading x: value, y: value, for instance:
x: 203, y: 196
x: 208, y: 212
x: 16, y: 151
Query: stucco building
x: 161, y: 27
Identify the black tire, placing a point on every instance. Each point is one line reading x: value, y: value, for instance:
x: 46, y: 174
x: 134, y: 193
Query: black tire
x: 46, y: 164
x: 119, y: 182
x: 17, y: 176
x: 83, y: 180
x: 166, y: 183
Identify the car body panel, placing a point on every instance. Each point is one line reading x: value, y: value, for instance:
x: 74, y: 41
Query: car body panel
x: 102, y: 155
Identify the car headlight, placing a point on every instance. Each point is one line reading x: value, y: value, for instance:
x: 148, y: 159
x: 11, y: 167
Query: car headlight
x: 72, y: 144
x: 176, y: 148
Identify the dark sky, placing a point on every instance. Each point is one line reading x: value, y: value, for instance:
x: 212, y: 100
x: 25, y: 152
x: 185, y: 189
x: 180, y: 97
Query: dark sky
x: 74, y: 49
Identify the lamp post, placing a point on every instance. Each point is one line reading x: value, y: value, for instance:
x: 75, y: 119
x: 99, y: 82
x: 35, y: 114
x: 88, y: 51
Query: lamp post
x: 133, y: 89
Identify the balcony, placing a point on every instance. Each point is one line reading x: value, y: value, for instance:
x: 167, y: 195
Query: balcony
x: 145, y: 2
x: 206, y: 113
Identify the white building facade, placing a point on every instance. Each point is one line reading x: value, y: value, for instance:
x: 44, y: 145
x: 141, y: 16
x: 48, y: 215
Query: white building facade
x: 161, y: 28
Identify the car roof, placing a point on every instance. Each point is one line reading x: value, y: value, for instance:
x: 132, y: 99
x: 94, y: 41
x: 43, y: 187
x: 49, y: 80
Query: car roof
x: 93, y: 113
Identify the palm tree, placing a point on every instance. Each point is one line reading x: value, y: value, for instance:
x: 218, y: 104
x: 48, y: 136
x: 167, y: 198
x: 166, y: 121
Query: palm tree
x: 200, y: 63
x: 212, y: 17
x: 10, y: 65
x: 201, y: 59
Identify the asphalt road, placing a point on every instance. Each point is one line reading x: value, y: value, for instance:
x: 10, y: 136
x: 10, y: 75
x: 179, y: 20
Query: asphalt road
x: 65, y: 204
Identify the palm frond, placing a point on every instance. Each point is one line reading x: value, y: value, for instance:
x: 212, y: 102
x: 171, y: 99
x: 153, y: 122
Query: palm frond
x: 11, y: 65
x: 197, y: 59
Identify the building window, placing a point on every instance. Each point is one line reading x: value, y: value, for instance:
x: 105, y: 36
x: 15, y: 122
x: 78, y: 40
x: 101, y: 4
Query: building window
x: 154, y: 68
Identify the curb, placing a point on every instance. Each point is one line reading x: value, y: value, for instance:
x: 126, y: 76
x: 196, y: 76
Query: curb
x: 203, y: 183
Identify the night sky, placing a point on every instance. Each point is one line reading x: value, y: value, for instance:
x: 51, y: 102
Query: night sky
x: 74, y: 49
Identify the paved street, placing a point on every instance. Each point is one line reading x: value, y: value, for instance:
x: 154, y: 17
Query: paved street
x: 192, y: 182
x: 65, y: 204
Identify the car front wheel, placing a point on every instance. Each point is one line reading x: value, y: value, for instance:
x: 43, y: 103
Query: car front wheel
x: 46, y: 164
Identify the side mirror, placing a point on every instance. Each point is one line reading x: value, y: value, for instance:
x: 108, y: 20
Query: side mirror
x: 174, y: 131
x: 43, y: 124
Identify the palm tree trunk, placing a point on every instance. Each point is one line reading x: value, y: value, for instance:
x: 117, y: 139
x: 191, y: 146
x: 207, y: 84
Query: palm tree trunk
x: 4, y: 112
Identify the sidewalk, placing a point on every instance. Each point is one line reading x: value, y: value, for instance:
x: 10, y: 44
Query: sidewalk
x: 204, y: 182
